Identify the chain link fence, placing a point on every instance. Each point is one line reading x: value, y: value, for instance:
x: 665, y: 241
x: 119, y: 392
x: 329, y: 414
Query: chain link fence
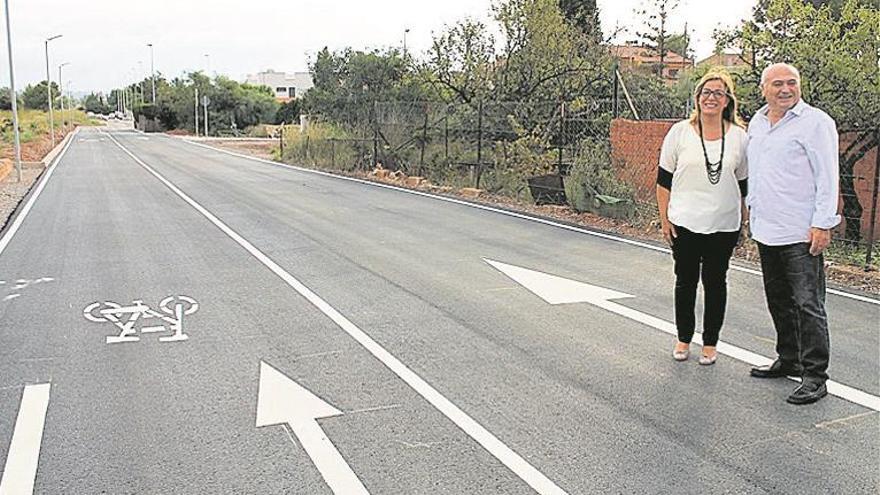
x: 595, y: 154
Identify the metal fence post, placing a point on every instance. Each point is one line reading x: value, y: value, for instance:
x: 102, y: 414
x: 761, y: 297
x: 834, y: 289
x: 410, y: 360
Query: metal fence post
x: 479, y: 165
x: 424, y: 140
x: 333, y: 153
x: 615, y: 107
x: 561, y: 136
x: 874, y: 200
x: 306, y: 150
x: 375, y: 135
x: 446, y: 136
x: 281, y: 140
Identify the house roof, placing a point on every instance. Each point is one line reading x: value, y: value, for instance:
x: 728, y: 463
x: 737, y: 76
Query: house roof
x: 645, y: 54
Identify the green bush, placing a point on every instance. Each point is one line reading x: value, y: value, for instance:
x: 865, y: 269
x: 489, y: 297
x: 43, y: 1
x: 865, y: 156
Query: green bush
x: 592, y: 185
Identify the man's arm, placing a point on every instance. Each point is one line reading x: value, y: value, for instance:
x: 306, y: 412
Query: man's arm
x: 822, y: 152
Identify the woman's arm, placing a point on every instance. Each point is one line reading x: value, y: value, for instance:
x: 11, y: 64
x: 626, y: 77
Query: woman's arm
x: 663, y: 208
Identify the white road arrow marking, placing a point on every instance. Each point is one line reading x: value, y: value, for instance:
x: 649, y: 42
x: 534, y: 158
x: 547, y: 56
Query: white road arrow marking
x: 516, y: 463
x: 281, y: 400
x: 20, y: 472
x: 558, y: 290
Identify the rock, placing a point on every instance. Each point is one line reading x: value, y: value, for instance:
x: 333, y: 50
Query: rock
x: 414, y: 181
x: 471, y: 192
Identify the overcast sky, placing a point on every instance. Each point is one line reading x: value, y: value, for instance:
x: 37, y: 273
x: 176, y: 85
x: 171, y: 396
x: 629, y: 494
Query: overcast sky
x: 105, y: 41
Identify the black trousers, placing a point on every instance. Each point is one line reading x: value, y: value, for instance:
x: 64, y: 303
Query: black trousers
x: 706, y: 257
x: 794, y: 283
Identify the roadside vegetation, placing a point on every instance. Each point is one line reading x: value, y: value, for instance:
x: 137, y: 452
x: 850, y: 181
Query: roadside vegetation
x: 496, y: 115
x: 34, y: 131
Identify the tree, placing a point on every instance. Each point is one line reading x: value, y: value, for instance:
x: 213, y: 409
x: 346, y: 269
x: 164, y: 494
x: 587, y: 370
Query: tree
x: 288, y: 113
x: 6, y: 99
x: 233, y: 106
x: 837, y: 55
x: 680, y: 44
x: 656, y: 21
x: 584, y: 14
x: 462, y: 61
x: 34, y: 96
x: 544, y: 57
x: 95, y: 103
x: 347, y: 83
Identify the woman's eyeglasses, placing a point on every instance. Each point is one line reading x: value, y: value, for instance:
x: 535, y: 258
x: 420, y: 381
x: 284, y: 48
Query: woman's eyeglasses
x: 717, y: 94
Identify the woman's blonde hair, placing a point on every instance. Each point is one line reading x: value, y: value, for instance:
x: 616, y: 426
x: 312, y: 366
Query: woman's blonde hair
x: 731, y: 110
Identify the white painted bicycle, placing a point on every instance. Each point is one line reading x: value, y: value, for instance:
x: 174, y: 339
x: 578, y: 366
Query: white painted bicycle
x: 173, y: 308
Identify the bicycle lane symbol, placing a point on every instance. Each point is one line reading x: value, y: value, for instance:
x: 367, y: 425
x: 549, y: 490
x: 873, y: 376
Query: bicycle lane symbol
x: 173, y: 308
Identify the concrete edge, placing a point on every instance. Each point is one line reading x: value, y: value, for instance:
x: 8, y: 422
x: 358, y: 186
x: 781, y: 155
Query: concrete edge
x: 738, y: 265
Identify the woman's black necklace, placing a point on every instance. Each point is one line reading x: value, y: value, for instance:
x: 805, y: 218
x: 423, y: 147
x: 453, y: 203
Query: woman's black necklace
x: 713, y: 170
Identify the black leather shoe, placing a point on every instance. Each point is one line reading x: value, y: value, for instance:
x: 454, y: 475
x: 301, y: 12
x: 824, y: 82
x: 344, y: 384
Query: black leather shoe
x: 810, y: 391
x: 776, y: 370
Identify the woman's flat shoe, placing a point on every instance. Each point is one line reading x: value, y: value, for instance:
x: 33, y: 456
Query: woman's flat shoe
x: 707, y: 360
x: 681, y: 355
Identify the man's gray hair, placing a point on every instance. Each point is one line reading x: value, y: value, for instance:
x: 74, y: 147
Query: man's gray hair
x: 793, y: 69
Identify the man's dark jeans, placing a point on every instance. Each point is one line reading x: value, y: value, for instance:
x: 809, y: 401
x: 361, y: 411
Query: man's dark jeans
x: 794, y: 283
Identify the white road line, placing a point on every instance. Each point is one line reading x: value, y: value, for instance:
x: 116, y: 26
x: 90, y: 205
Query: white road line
x: 7, y: 237
x: 558, y: 290
x: 20, y: 472
x: 523, y: 216
x: 837, y: 389
x: 519, y: 466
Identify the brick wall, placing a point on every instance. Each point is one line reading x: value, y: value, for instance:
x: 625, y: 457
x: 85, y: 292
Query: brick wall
x: 635, y: 152
x: 863, y: 181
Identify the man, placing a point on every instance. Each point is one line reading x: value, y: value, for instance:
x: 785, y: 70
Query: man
x: 792, y: 199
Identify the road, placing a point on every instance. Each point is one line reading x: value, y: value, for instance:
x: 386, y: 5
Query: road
x: 175, y: 319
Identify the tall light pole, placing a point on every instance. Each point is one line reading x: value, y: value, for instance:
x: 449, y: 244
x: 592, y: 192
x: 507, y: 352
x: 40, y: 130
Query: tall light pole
x: 140, y: 79
x: 70, y: 104
x: 49, y: 89
x: 404, y: 43
x: 14, y: 95
x: 61, y: 93
x: 208, y: 64
x: 152, y: 72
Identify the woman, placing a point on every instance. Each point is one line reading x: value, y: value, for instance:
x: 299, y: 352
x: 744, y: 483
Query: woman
x: 701, y: 181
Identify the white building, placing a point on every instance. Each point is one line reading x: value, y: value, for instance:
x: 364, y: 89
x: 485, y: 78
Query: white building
x: 284, y: 86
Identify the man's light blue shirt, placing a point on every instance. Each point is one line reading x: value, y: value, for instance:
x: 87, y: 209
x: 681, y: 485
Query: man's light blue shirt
x: 793, y: 175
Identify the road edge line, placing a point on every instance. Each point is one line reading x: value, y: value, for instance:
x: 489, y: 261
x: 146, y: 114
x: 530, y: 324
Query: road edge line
x: 19, y: 218
x: 494, y: 446
x: 523, y: 216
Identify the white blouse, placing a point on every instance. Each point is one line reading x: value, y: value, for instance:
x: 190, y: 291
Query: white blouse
x: 695, y: 203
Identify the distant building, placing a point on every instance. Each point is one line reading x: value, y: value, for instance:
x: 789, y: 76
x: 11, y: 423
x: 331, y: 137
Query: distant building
x: 283, y: 85
x: 728, y: 60
x: 643, y: 58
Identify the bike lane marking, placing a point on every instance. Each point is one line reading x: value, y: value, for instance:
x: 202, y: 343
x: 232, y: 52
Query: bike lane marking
x: 507, y: 456
x: 20, y: 472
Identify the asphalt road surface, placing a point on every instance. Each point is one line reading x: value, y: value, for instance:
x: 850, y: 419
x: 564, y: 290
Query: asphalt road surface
x: 175, y: 319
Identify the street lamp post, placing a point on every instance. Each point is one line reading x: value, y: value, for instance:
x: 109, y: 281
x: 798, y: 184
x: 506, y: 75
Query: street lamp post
x: 69, y: 86
x: 61, y: 94
x: 49, y: 90
x: 17, y: 139
x: 404, y: 43
x: 140, y: 81
x: 208, y: 64
x: 152, y: 72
